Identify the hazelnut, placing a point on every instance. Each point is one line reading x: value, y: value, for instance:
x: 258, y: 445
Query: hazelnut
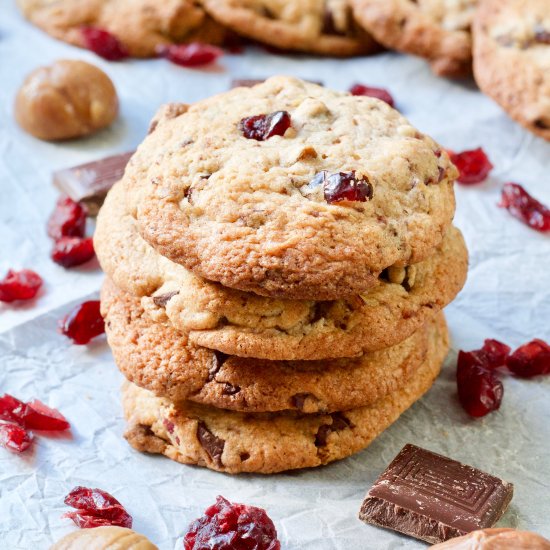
x: 66, y: 100
x: 496, y: 539
x: 104, y: 538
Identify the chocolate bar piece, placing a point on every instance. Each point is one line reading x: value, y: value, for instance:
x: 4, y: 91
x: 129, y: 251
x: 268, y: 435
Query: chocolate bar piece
x: 433, y: 498
x: 89, y: 183
x: 249, y: 82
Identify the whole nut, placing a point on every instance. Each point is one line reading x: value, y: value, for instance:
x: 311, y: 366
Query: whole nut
x: 104, y: 538
x: 66, y: 100
x: 496, y: 539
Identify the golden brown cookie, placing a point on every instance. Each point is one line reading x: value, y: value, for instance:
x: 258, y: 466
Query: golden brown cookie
x: 324, y: 27
x: 156, y: 357
x: 248, y: 325
x: 512, y: 59
x: 67, y: 99
x: 141, y: 25
x: 496, y: 539
x: 104, y: 538
x: 235, y: 442
x: 350, y: 189
x: 437, y: 30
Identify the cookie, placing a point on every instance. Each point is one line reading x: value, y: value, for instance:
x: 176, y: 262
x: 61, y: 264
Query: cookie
x: 437, y: 30
x: 235, y: 442
x: 160, y: 359
x: 248, y: 325
x: 512, y: 59
x: 141, y: 25
x: 323, y: 27
x: 350, y: 189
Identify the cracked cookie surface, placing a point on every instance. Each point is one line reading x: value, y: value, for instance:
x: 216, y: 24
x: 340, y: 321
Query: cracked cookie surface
x: 512, y: 59
x: 246, y: 214
x: 155, y: 356
x: 141, y: 25
x: 315, y: 26
x: 266, y: 443
x: 248, y: 325
x: 437, y: 30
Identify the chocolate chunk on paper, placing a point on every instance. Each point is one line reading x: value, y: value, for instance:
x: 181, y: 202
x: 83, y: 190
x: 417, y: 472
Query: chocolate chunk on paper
x: 89, y: 183
x: 434, y: 498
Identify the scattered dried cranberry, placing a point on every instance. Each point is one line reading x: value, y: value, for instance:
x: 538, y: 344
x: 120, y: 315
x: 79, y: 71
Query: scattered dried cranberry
x: 378, y: 93
x: 34, y: 415
x: 230, y: 526
x: 83, y: 323
x: 19, y: 285
x: 531, y: 359
x: 474, y: 166
x: 495, y: 353
x: 525, y: 208
x: 479, y: 390
x: 262, y: 127
x: 14, y: 437
x: 104, y: 44
x: 96, y: 508
x: 73, y: 251
x: 194, y: 54
x: 342, y: 186
x: 67, y: 220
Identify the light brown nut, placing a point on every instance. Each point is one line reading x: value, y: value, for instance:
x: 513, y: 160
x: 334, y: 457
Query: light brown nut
x: 67, y: 99
x: 496, y: 539
x: 104, y: 538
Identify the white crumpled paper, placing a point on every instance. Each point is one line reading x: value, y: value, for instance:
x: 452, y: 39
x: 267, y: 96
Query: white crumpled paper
x: 507, y: 297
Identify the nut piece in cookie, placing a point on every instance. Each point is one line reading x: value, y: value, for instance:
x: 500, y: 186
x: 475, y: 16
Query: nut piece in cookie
x: 65, y: 100
x: 436, y: 30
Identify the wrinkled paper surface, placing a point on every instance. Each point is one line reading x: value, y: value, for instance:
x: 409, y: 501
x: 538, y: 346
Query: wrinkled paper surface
x: 507, y: 297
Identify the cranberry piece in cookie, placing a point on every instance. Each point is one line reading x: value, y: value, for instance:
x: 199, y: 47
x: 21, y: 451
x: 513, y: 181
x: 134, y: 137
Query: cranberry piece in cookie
x: 19, y: 285
x: 369, y: 91
x: 195, y: 54
x: 230, y: 526
x: 262, y: 127
x: 103, y: 43
x: 342, y: 186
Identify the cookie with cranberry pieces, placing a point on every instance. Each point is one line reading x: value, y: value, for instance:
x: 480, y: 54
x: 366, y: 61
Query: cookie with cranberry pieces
x: 155, y: 356
x: 512, y: 59
x: 325, y: 27
x: 141, y: 26
x: 235, y: 442
x: 437, y: 30
x: 288, y: 189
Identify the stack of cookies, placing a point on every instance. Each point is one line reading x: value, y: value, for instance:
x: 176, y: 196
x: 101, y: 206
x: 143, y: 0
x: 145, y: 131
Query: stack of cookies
x: 277, y: 258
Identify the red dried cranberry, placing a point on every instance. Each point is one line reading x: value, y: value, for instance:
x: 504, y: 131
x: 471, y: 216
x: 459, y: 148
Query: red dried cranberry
x: 343, y: 186
x: 495, y: 353
x: 96, y: 508
x: 104, y: 44
x: 262, y: 127
x: 230, y: 526
x: 378, y: 93
x: 19, y: 285
x: 474, y: 166
x: 83, y: 323
x: 67, y: 220
x: 34, y: 415
x: 479, y: 390
x: 525, y: 208
x: 73, y: 251
x: 531, y: 359
x: 194, y: 54
x: 14, y: 437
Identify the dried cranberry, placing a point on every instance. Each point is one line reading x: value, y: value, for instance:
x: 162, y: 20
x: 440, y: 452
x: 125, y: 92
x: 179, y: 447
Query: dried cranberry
x: 19, y: 285
x: 473, y: 166
x: 231, y: 526
x: 103, y: 43
x: 495, y: 353
x: 67, y: 220
x: 531, y: 359
x: 378, y: 93
x: 34, y: 415
x: 194, y: 54
x: 262, y: 127
x: 525, y: 208
x: 83, y: 323
x: 96, y: 508
x: 343, y: 186
x: 479, y: 390
x: 73, y: 251
x: 14, y: 437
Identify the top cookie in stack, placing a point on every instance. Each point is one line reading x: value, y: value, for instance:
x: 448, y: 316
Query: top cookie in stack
x: 280, y: 255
